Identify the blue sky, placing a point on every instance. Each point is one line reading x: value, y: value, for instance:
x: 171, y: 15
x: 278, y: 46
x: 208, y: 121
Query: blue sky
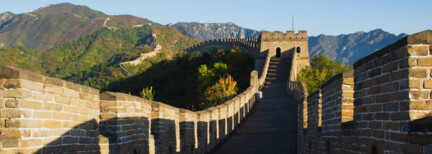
x: 331, y: 17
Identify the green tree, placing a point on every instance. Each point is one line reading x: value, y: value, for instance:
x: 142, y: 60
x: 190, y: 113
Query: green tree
x: 219, y: 93
x: 320, y: 71
x: 148, y: 93
x: 208, y: 77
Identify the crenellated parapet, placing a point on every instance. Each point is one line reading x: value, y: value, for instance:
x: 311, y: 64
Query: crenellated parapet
x: 250, y: 44
x: 382, y: 106
x: 280, y: 36
x: 40, y: 114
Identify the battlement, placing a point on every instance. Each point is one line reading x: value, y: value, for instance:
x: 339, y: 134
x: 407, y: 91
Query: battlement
x: 278, y: 36
x: 382, y: 106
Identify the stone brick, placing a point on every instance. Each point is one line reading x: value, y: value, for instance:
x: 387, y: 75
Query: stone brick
x: 12, y: 83
x: 414, y: 115
x: 391, y: 126
x: 52, y: 107
x: 31, y: 104
x: 418, y: 94
x: 12, y: 103
x: 73, y: 86
x: 42, y: 115
x: 54, y: 89
x: 61, y: 116
x: 397, y: 96
x: 391, y: 106
x: 374, y: 90
x: 52, y: 124
x: 69, y: 124
x: 406, y: 63
x: 70, y: 140
x: 400, y: 74
x: 23, y: 123
x: 414, y: 83
x: 38, y: 86
x: 54, y: 82
x: 348, y: 94
x: 2, y: 83
x: 10, y: 143
x: 42, y: 96
x: 399, y: 137
x: 79, y: 103
x: 11, y: 132
x: 41, y: 132
x: 86, y: 111
x: 375, y: 72
x: 31, y: 143
x: 428, y: 84
x: 92, y: 105
x: 2, y: 102
x: 399, y: 116
x: 417, y: 73
x: 424, y: 61
x: 16, y: 93
x: 418, y: 50
x: 60, y: 132
x: 88, y: 97
x: 2, y: 123
x: 15, y: 113
x: 29, y: 150
x: 349, y: 81
x: 52, y: 141
x: 62, y: 99
x: 71, y: 93
x: 381, y: 79
x: 390, y: 67
x: 71, y: 109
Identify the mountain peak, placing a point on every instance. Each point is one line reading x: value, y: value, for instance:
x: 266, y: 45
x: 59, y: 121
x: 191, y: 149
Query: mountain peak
x: 69, y: 8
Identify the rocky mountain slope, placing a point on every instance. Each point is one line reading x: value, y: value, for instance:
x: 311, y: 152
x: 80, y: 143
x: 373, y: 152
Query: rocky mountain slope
x: 56, y: 24
x: 207, y: 31
x: 348, y: 48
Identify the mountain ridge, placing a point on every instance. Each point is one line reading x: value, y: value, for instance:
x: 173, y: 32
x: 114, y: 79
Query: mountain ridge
x: 56, y: 24
x: 348, y: 48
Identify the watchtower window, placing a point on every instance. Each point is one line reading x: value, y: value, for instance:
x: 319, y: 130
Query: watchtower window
x: 298, y: 50
x: 278, y: 52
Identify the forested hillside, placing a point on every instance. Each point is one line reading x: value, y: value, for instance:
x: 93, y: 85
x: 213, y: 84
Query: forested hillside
x: 57, y: 24
x: 94, y: 59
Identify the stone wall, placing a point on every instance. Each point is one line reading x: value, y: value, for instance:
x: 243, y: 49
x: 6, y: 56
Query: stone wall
x: 48, y: 115
x: 40, y: 114
x: 247, y: 45
x: 383, y: 106
x: 286, y: 42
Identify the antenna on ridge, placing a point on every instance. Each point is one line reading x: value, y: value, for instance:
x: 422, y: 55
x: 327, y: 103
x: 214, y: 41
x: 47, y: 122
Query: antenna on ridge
x: 292, y: 26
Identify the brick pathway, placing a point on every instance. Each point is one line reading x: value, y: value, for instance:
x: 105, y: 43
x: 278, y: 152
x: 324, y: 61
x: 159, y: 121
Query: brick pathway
x: 271, y: 127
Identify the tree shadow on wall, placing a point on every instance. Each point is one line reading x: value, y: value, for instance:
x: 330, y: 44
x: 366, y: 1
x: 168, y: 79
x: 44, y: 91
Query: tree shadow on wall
x: 132, y: 135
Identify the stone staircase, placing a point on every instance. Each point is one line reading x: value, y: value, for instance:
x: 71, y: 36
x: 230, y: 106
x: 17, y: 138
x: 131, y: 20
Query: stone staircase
x: 271, y: 127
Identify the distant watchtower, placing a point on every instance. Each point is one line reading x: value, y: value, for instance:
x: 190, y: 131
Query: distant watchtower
x: 286, y: 45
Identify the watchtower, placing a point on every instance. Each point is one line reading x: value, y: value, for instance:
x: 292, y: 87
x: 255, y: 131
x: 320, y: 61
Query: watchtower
x: 290, y: 46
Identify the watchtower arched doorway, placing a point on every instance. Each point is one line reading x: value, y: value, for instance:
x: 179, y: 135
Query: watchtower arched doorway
x: 278, y: 52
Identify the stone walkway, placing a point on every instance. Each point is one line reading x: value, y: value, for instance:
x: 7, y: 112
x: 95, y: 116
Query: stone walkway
x: 271, y: 127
